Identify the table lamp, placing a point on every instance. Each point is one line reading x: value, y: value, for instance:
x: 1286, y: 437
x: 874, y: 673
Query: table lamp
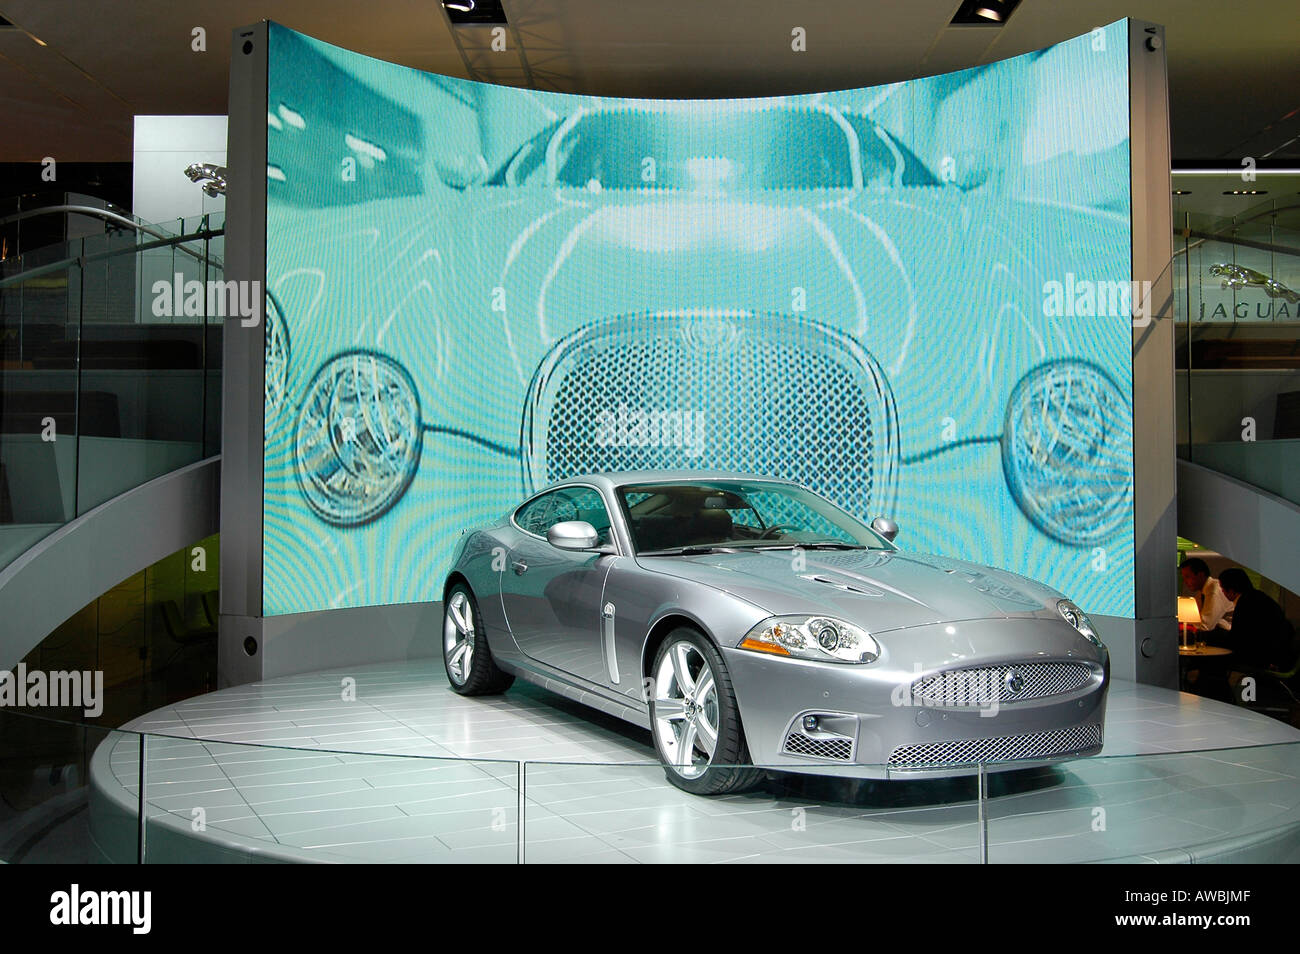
x: 1188, y: 614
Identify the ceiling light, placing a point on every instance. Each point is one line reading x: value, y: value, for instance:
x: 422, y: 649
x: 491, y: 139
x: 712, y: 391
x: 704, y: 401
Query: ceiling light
x: 989, y: 13
x: 474, y: 12
x: 1182, y: 192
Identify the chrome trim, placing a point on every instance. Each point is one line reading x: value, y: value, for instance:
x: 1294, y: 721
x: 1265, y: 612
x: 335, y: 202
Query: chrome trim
x: 607, y: 632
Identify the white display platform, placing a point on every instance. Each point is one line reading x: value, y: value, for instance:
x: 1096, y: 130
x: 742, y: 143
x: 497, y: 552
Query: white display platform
x: 385, y: 763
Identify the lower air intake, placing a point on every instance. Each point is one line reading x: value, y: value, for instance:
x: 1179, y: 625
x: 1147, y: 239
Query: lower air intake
x: 1036, y: 745
x: 841, y: 750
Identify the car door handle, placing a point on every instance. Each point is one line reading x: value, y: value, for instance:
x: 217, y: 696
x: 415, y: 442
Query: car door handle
x: 520, y: 567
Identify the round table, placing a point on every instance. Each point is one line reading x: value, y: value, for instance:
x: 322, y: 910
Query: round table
x: 1215, y: 658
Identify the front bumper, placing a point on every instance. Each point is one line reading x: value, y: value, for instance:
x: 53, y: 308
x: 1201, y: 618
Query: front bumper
x: 870, y: 724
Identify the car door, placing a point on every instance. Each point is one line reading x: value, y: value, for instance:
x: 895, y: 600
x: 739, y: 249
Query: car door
x: 552, y: 597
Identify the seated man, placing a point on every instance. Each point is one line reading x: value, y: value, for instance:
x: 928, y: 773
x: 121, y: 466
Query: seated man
x: 1261, y: 634
x: 1214, y: 606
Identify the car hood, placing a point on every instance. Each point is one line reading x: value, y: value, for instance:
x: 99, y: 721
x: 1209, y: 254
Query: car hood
x: 881, y: 590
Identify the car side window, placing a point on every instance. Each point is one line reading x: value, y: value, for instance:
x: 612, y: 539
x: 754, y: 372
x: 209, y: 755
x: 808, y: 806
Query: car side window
x: 568, y: 503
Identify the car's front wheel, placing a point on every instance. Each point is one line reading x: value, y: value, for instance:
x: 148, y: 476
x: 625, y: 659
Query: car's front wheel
x: 471, y: 670
x: 695, y: 719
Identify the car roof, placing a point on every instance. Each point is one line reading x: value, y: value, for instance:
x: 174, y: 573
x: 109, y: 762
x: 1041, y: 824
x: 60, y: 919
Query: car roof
x: 612, y: 480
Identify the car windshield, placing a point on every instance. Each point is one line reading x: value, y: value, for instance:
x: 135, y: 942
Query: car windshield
x: 678, y: 517
x: 729, y: 153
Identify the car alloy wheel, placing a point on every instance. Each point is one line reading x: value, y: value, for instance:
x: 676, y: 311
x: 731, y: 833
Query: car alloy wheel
x: 686, y: 710
x: 471, y: 670
x: 458, y: 637
x: 694, y: 717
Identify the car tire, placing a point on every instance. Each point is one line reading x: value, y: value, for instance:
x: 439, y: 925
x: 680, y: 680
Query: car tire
x: 678, y: 715
x: 463, y: 637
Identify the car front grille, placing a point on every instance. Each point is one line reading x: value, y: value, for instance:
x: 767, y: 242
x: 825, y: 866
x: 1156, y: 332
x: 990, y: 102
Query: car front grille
x: 839, y: 749
x: 1035, y: 745
x: 981, y: 686
x: 828, y: 418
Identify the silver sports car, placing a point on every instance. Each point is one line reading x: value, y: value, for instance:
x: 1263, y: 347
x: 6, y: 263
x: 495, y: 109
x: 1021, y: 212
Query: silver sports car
x: 752, y: 625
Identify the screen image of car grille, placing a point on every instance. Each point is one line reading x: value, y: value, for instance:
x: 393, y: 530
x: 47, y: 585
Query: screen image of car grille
x: 769, y: 394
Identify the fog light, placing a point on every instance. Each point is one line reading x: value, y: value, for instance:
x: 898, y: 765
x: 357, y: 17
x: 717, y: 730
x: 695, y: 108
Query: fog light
x: 810, y: 723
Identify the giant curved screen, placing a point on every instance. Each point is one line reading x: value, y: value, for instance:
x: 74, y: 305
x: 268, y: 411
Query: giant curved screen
x: 912, y: 298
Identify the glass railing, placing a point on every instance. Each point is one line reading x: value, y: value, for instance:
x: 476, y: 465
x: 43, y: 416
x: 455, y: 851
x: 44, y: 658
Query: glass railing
x: 1237, y: 302
x: 110, y: 370
x: 77, y: 792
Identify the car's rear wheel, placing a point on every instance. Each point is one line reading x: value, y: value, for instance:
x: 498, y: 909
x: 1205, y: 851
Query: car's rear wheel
x: 695, y: 720
x: 471, y: 670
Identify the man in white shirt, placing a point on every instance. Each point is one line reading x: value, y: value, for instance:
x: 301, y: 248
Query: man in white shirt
x: 1216, y: 609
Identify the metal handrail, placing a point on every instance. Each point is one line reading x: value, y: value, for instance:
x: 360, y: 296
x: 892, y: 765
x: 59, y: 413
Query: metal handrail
x: 115, y: 218
x: 1226, y: 234
x: 173, y: 240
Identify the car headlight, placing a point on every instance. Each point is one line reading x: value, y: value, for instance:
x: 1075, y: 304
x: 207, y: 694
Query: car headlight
x: 819, y: 638
x: 1079, y: 620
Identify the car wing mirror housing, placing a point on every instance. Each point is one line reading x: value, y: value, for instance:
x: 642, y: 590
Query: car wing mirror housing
x: 573, y: 535
x: 885, y: 527
x: 460, y: 174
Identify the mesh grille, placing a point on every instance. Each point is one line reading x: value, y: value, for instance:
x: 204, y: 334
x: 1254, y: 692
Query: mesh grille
x: 1008, y: 748
x: 980, y: 686
x: 839, y: 749
x: 827, y: 417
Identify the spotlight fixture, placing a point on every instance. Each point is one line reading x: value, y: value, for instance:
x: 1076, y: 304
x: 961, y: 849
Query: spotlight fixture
x: 1246, y: 192
x: 474, y: 12
x: 1182, y: 192
x: 984, y: 12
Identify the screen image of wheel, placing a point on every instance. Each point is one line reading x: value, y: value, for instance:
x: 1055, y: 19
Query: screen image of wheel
x: 914, y: 299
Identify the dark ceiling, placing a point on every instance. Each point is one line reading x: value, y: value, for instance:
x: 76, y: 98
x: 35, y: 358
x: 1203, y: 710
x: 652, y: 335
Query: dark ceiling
x: 1233, y: 73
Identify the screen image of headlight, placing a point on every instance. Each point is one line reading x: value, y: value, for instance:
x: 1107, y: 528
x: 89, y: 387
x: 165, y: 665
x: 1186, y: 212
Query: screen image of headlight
x: 819, y: 638
x: 277, y: 360
x: 358, y: 438
x: 1067, y: 451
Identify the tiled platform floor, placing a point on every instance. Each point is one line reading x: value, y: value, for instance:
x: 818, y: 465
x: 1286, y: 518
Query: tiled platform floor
x: 408, y: 771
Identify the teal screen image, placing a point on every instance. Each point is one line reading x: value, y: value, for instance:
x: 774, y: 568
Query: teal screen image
x: 914, y: 299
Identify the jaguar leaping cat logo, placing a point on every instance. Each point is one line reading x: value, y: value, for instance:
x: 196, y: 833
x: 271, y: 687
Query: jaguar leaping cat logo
x: 1239, y: 276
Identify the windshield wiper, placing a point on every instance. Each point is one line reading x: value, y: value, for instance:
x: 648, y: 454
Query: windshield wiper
x: 823, y: 545
x: 686, y: 551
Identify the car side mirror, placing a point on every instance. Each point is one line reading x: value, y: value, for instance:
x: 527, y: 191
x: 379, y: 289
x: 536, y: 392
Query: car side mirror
x: 573, y: 535
x: 885, y: 527
x: 460, y: 173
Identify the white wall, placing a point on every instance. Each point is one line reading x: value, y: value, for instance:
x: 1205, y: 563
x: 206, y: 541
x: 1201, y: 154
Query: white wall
x: 162, y: 194
x: 164, y: 146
